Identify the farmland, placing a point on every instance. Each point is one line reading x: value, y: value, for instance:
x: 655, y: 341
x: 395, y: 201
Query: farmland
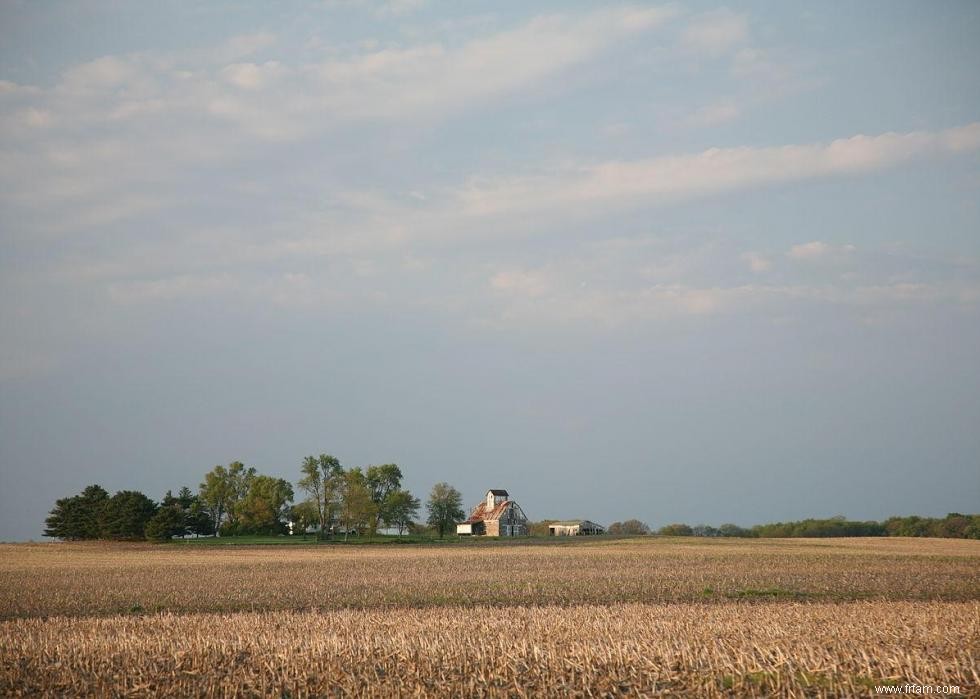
x: 636, y: 616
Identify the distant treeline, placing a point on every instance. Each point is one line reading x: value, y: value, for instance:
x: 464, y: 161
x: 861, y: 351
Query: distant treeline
x: 236, y: 500
x: 952, y: 526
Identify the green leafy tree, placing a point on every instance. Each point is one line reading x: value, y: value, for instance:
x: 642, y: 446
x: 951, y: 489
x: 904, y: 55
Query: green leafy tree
x: 215, y: 494
x: 357, y: 510
x: 445, y: 507
x: 79, y: 517
x: 401, y: 509
x: 321, y: 481
x: 631, y: 527
x: 703, y: 530
x: 240, y: 482
x: 676, y: 530
x: 126, y: 515
x: 304, y: 515
x: 733, y: 530
x: 265, y: 506
x: 382, y: 481
x: 167, y: 523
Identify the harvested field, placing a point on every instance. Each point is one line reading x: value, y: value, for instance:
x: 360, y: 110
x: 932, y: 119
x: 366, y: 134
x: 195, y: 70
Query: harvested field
x: 791, y: 649
x: 99, y: 579
x: 600, y: 617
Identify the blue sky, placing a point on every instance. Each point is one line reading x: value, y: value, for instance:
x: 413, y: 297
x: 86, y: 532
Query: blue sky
x: 685, y: 262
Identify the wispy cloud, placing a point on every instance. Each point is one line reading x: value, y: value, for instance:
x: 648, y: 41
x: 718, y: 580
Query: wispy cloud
x: 817, y: 250
x: 716, y: 33
x: 714, y: 114
x: 665, y: 179
x: 226, y: 102
x: 756, y: 261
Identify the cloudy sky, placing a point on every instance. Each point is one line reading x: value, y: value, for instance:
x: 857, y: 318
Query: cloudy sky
x: 684, y: 262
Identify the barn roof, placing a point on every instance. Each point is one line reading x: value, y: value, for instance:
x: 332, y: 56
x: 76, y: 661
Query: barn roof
x: 482, y: 513
x: 573, y: 523
x: 499, y: 491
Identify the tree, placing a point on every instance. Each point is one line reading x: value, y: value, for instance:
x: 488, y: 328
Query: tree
x: 401, y: 509
x: 542, y: 528
x: 733, y: 530
x: 265, y: 505
x: 445, y: 507
x: 169, y: 502
x: 703, y: 530
x: 215, y: 495
x: 195, y: 517
x: 127, y: 513
x: 382, y: 481
x: 304, y: 515
x: 631, y: 527
x: 676, y: 530
x: 58, y: 523
x: 357, y: 509
x: 321, y: 481
x: 186, y: 500
x: 239, y: 481
x: 78, y: 517
x: 199, y: 522
x: 167, y: 523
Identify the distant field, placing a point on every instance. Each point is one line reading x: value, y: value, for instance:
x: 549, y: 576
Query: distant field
x: 700, y: 617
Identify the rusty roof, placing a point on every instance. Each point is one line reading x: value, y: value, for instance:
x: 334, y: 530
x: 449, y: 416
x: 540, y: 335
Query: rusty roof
x: 482, y: 513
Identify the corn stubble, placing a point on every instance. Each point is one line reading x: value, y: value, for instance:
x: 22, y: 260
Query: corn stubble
x: 790, y: 649
x: 636, y: 618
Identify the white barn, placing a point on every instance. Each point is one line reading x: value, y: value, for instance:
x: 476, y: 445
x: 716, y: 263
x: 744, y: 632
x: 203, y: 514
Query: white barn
x: 575, y: 527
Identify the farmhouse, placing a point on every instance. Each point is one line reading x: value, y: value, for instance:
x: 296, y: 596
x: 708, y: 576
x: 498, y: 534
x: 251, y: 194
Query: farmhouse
x: 497, y: 515
x: 575, y: 527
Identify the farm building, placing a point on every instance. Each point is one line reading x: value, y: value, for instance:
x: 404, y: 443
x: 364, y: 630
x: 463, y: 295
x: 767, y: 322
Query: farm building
x: 575, y: 527
x: 497, y: 515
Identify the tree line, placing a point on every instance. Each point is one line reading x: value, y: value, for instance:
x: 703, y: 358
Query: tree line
x: 952, y: 526
x: 236, y: 500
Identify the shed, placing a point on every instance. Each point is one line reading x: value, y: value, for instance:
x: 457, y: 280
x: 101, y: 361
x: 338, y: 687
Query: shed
x: 575, y: 527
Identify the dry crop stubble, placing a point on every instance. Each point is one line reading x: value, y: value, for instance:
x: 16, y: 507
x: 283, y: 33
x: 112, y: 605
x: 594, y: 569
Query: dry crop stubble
x: 93, y: 579
x: 784, y: 648
x: 699, y: 618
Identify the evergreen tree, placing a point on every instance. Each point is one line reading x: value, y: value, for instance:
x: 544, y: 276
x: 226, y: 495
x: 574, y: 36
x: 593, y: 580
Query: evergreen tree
x: 79, y: 517
x: 126, y: 515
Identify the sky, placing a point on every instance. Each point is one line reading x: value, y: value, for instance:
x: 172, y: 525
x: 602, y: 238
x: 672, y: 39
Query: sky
x: 685, y: 263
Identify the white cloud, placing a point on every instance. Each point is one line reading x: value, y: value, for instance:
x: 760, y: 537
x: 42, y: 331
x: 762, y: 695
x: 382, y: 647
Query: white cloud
x: 101, y: 74
x: 170, y: 288
x: 521, y: 282
x: 405, y: 82
x: 714, y: 114
x: 277, y: 101
x: 671, y: 178
x: 756, y: 261
x: 399, y: 8
x: 239, y: 47
x: 754, y: 64
x: 715, y: 33
x: 816, y: 250
x: 251, y: 76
